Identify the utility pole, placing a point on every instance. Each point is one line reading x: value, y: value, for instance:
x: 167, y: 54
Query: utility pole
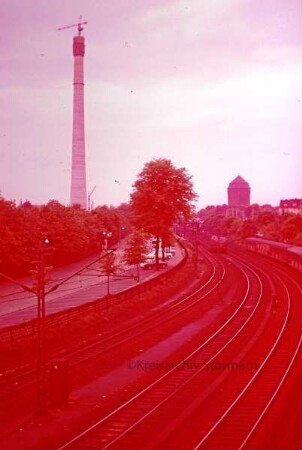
x: 40, y: 336
x: 39, y: 290
x: 41, y: 407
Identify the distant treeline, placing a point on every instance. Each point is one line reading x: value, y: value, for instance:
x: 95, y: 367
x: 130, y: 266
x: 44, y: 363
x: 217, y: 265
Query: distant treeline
x: 268, y: 225
x: 73, y: 233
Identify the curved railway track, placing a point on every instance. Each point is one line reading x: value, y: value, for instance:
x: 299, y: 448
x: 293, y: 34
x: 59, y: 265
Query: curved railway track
x: 22, y: 388
x: 113, y: 339
x: 235, y: 425
x: 235, y: 401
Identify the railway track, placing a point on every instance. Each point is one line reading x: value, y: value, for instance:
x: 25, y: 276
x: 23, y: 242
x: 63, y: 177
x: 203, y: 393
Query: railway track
x: 234, y: 424
x: 23, y: 387
x: 235, y: 401
x: 103, y: 343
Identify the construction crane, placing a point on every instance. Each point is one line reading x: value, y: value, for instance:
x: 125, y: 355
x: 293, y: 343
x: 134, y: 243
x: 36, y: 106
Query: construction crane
x: 89, y: 197
x: 79, y: 25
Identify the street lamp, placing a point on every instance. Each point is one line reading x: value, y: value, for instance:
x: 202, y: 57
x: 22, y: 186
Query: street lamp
x: 105, y: 236
x: 121, y: 232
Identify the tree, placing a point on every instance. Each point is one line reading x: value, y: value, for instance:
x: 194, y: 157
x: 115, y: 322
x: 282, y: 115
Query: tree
x: 167, y: 239
x: 298, y: 239
x: 74, y: 232
x: 266, y: 218
x: 248, y: 228
x: 109, y: 267
x: 136, y: 249
x: 290, y: 227
x: 162, y: 194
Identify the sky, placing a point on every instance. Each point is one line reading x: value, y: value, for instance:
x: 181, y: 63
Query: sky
x: 212, y: 85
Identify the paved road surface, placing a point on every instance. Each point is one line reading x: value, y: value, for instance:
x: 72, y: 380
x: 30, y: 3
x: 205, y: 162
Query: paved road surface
x: 18, y: 306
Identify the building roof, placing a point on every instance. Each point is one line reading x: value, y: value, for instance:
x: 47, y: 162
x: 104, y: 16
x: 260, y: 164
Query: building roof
x: 291, y: 203
x: 239, y: 182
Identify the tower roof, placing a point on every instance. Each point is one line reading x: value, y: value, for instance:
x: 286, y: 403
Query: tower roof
x: 239, y: 182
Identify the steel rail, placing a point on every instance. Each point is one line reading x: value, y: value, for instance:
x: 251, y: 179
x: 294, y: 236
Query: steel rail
x: 195, y: 374
x: 252, y: 430
x: 158, y: 315
x: 24, y: 387
x: 281, y: 383
x: 217, y: 423
x: 92, y: 428
x: 84, y: 354
x: 263, y: 366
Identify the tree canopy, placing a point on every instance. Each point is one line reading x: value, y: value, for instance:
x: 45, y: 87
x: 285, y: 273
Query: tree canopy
x: 73, y: 232
x: 136, y: 248
x: 268, y: 224
x: 162, y: 193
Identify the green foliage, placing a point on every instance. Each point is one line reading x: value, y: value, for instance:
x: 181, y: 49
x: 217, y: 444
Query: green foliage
x: 136, y: 248
x: 74, y: 233
x: 298, y: 239
x: 247, y: 228
x: 162, y: 194
x: 109, y: 265
x: 268, y: 224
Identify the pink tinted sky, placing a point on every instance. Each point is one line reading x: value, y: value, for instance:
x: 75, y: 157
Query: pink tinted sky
x: 213, y: 85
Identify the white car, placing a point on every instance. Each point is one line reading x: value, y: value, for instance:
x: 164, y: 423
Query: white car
x: 151, y: 264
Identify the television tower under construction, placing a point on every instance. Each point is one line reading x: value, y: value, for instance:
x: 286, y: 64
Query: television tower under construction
x: 78, y: 191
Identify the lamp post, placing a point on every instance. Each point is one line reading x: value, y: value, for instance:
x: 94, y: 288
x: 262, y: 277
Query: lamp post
x: 121, y: 232
x: 105, y: 236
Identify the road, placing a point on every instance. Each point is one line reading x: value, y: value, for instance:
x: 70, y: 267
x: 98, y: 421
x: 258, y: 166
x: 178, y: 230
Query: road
x: 18, y: 306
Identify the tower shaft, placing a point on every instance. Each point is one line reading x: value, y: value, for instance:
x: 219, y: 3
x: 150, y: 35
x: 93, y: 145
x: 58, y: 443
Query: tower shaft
x: 78, y: 192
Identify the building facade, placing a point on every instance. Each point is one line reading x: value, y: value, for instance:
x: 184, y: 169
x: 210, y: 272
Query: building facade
x: 239, y: 193
x: 291, y: 206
